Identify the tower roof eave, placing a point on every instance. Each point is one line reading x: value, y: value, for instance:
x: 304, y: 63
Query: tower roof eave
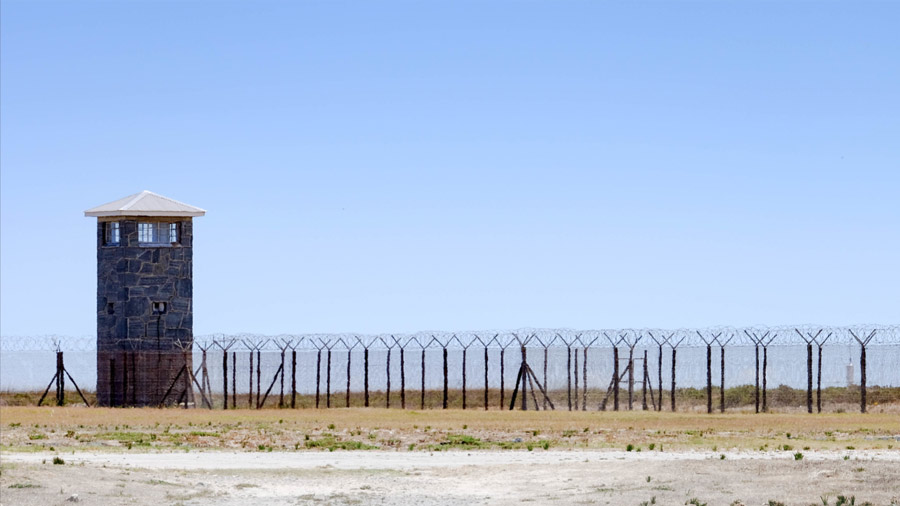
x: 145, y: 203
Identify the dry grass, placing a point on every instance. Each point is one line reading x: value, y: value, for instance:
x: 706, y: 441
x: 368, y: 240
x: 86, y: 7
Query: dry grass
x: 73, y: 428
x: 737, y: 399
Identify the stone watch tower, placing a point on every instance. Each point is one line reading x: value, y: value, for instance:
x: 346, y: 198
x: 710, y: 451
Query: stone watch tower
x: 144, y: 300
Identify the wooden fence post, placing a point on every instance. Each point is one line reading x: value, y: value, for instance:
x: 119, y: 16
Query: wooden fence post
x: 61, y: 379
x: 225, y: 379
x: 672, y: 393
x: 630, y: 377
x: 293, y: 379
x: 765, y: 406
x: 318, y: 374
x: 445, y: 377
x: 422, y: 403
x: 863, y: 342
x: 281, y: 382
x: 387, y: 373
x: 349, y: 364
x: 644, y: 384
x: 616, y: 378
x: 402, y: 378
x: 576, y: 379
x: 502, y: 379
x: 250, y: 376
x: 708, y: 378
x: 366, y: 375
x: 756, y: 348
x: 258, y: 375
x: 569, y: 375
x: 328, y: 379
x: 584, y: 383
x: 546, y: 385
x: 464, y: 378
x: 809, y: 377
x: 486, y: 385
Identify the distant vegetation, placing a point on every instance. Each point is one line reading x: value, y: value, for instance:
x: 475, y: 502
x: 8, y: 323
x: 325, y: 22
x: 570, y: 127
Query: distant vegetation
x: 834, y: 399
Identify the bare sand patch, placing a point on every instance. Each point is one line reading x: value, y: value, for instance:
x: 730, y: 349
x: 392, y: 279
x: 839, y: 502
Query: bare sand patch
x: 455, y: 477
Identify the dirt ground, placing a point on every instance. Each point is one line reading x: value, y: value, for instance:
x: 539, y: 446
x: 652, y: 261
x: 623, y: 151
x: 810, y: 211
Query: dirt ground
x: 378, y: 456
x: 455, y: 477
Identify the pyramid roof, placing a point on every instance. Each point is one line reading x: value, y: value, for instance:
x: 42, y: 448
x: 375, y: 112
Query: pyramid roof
x: 145, y: 203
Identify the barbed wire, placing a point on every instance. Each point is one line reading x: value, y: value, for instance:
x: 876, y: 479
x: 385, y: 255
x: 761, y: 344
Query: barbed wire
x: 723, y: 336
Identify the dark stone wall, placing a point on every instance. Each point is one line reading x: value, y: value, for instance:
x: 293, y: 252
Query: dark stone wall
x: 139, y: 353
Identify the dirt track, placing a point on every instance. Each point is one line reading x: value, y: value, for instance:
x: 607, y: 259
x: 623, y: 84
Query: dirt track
x: 456, y: 477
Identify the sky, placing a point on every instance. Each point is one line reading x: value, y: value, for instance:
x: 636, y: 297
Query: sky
x: 406, y: 166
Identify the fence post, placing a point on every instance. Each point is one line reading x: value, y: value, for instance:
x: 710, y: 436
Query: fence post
x: 225, y: 379
x: 672, y: 393
x: 862, y: 367
x: 630, y: 377
x: 644, y: 384
x: 502, y: 379
x: 112, y: 380
x: 349, y: 363
x: 485, y: 378
x: 708, y: 378
x: 293, y: 379
x: 328, y: 380
x: 576, y: 379
x: 366, y: 375
x: 423, y: 379
x: 258, y: 375
x: 862, y: 378
x: 402, y: 378
x: 524, y: 378
x: 387, y: 373
x: 722, y: 381
x: 756, y: 348
x: 318, y: 374
x: 569, y: 375
x: 445, y: 377
x: 464, y: 378
x: 765, y: 405
x: 615, y: 378
x: 659, y: 392
x: 809, y: 376
x: 61, y: 380
x: 281, y: 382
x: 584, y: 383
x: 819, y: 383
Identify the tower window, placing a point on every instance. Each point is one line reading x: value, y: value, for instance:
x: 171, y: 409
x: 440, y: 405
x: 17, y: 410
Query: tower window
x: 159, y: 308
x: 110, y: 308
x: 111, y: 234
x: 157, y: 234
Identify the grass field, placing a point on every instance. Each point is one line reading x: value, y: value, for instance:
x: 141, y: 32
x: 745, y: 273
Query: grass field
x: 151, y: 456
x: 79, y: 428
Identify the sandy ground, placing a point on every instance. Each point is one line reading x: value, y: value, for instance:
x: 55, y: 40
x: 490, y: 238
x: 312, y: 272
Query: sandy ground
x: 455, y: 477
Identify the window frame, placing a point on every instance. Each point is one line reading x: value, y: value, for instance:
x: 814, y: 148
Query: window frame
x: 112, y: 229
x: 155, y: 229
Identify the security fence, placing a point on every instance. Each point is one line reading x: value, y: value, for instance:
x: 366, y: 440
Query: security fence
x: 711, y: 369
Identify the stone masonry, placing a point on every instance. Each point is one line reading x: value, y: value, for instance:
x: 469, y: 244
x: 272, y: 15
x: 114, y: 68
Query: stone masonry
x: 140, y: 343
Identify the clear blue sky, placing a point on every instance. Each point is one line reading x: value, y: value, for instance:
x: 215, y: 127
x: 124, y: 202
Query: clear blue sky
x: 462, y: 165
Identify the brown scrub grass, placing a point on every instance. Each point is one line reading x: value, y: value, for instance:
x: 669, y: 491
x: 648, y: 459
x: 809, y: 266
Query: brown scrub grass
x: 739, y: 398
x: 154, y: 429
